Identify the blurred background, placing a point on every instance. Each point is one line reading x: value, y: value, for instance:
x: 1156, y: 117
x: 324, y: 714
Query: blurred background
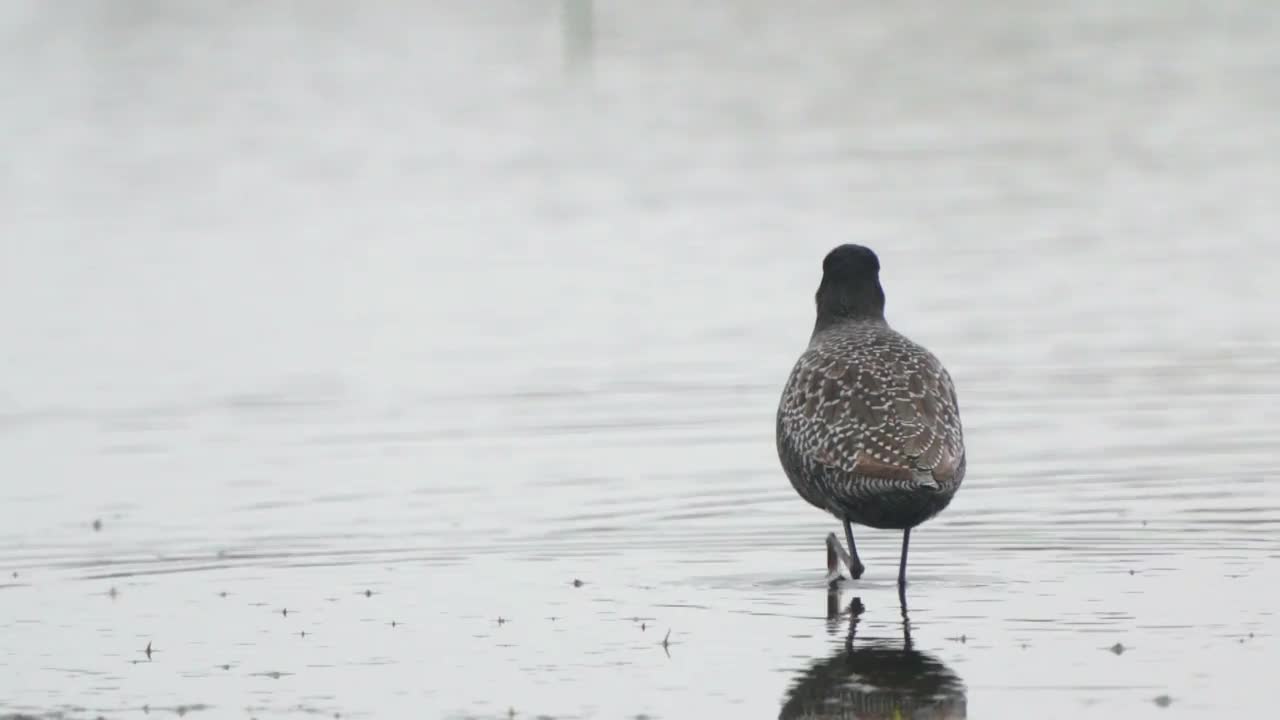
x: 339, y: 339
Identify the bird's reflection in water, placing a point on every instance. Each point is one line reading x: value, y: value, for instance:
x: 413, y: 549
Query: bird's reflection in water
x: 874, y: 678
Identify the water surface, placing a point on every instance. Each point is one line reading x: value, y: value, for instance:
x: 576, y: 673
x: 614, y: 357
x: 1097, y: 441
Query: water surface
x: 363, y: 332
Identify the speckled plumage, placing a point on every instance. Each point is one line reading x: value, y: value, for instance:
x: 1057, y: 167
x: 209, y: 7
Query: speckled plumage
x: 868, y: 426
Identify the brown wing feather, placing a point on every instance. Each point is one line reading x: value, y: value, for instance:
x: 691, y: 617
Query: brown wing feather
x: 881, y: 409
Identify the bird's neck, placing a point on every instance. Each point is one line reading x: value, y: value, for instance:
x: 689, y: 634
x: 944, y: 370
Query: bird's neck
x: 838, y: 303
x: 828, y: 321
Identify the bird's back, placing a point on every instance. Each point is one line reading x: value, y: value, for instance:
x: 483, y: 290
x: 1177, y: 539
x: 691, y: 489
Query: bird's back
x: 867, y: 412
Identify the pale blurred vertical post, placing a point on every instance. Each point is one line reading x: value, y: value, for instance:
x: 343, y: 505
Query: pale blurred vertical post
x: 578, y: 30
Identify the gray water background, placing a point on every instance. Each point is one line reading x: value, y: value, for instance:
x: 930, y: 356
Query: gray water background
x: 414, y: 313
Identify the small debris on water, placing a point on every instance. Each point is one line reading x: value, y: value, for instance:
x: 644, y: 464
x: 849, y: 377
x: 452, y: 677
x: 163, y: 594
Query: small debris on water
x: 273, y: 674
x: 577, y: 583
x: 1163, y: 701
x: 1118, y: 649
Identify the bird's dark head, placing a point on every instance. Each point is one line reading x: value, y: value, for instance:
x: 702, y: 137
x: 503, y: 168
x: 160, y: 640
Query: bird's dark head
x: 850, y: 287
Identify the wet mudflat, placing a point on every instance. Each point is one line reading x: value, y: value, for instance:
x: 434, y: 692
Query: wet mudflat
x: 340, y: 343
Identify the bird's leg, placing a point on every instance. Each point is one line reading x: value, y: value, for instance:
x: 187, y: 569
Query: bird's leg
x: 855, y: 565
x: 835, y: 556
x: 906, y: 621
x: 902, y: 564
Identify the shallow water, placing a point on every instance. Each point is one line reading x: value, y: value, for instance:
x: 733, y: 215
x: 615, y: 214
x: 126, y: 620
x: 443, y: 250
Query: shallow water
x: 363, y: 333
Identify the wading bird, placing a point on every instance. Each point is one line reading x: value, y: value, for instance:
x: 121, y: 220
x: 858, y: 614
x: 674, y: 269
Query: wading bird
x: 868, y: 426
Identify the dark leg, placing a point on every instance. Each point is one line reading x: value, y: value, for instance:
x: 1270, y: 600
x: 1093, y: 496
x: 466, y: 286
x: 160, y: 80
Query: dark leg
x: 906, y: 621
x: 856, y: 568
x: 902, y: 564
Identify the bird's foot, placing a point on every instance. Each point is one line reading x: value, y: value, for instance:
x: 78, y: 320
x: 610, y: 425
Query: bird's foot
x: 836, y: 556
